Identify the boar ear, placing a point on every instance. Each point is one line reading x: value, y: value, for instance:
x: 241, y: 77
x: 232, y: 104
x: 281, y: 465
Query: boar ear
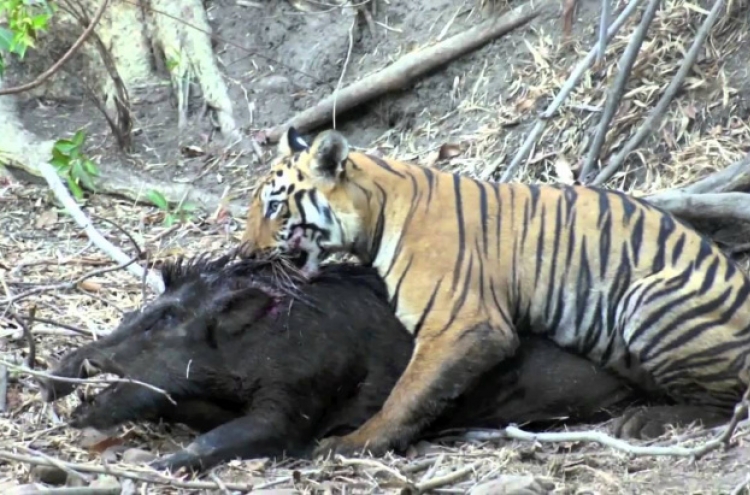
x: 233, y: 311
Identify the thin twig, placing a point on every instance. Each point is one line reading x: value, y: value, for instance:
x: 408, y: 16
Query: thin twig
x: 56, y: 66
x: 374, y: 464
x: 27, y: 326
x: 92, y: 381
x: 658, y: 112
x: 567, y: 88
x: 618, y: 88
x: 603, y: 23
x: 67, y: 285
x: 721, y: 440
x: 3, y: 388
x: 446, y: 479
x: 149, y: 477
x: 138, y: 250
x: 48, y: 321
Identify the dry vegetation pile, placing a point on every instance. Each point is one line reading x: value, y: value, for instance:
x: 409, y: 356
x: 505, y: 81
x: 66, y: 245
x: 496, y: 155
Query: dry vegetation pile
x: 477, y: 128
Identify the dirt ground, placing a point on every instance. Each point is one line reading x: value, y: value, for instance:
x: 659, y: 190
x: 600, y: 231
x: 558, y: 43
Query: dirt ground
x: 279, y: 61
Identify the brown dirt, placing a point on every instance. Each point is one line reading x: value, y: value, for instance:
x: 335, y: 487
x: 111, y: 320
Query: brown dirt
x: 485, y: 102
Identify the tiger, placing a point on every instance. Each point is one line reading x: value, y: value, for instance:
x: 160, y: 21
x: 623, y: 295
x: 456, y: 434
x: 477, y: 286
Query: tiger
x: 470, y: 264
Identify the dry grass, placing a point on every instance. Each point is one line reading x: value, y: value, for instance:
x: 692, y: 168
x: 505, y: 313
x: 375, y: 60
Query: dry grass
x: 703, y: 131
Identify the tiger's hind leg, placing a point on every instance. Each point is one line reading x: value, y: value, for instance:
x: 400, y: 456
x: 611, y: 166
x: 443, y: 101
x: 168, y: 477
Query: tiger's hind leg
x: 651, y: 422
x: 691, y: 338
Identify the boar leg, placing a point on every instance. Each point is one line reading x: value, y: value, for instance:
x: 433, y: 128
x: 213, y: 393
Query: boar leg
x: 199, y: 414
x: 252, y: 436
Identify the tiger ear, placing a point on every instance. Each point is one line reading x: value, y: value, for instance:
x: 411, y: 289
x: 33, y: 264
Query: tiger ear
x: 291, y: 142
x: 330, y: 151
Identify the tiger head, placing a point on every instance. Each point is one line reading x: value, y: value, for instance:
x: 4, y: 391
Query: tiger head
x: 307, y: 204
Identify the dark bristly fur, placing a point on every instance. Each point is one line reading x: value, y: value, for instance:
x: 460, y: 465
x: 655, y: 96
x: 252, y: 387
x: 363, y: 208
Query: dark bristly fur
x: 471, y: 265
x: 261, y: 374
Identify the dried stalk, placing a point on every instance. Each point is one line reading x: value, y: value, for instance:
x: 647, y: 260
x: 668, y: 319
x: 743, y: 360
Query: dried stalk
x: 661, y: 107
x: 618, y: 87
x: 567, y: 88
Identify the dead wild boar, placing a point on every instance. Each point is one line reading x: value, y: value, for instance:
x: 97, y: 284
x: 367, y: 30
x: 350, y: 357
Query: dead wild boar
x: 263, y: 363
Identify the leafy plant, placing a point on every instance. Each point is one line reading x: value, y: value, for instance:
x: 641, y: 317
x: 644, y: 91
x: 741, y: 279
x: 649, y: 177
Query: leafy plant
x: 182, y: 211
x: 24, y: 20
x: 72, y: 165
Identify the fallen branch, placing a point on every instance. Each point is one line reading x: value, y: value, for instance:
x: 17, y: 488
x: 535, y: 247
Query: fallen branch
x: 408, y: 68
x: 61, y: 193
x: 57, y: 65
x: 618, y: 87
x: 661, y: 107
x: 567, y: 88
x: 731, y: 205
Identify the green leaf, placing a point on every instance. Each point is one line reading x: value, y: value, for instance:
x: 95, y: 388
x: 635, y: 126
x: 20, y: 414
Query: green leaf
x: 78, y: 138
x: 39, y: 22
x: 169, y: 220
x: 158, y: 199
x: 91, y: 168
x: 75, y: 188
x: 64, y: 146
x: 6, y: 38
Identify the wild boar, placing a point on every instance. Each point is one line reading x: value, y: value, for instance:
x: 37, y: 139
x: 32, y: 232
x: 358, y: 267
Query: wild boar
x: 264, y: 363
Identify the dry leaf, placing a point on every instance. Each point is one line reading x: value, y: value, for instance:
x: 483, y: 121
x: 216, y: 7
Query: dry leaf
x: 97, y: 441
x: 431, y: 159
x: 449, y: 150
x: 46, y: 219
x: 191, y: 151
x: 564, y: 171
x: 90, y: 286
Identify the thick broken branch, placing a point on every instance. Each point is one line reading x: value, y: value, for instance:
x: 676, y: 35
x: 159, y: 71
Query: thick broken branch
x: 731, y: 205
x: 716, y: 196
x: 408, y: 68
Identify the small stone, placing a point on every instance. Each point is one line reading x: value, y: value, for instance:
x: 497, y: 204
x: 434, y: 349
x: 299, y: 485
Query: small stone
x: 274, y: 83
x: 50, y: 475
x: 137, y: 456
x: 107, y: 482
x: 514, y: 485
x: 30, y: 489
